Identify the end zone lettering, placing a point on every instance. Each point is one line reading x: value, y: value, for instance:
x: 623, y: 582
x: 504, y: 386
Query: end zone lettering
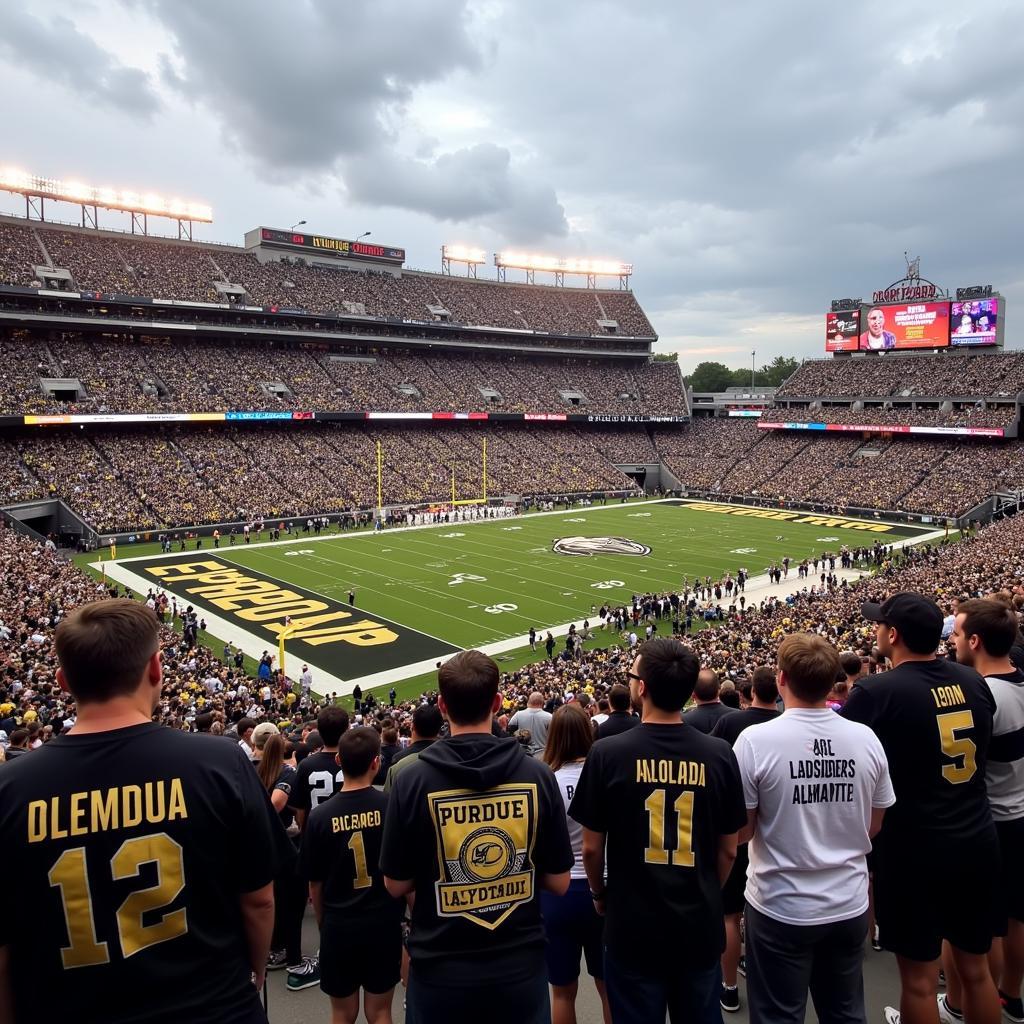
x: 792, y: 517
x: 268, y: 604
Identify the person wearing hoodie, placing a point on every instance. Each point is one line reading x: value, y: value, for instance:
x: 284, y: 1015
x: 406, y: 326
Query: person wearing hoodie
x: 476, y: 829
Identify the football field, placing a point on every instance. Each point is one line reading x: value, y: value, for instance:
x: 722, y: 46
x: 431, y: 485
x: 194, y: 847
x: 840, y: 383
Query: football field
x: 422, y: 593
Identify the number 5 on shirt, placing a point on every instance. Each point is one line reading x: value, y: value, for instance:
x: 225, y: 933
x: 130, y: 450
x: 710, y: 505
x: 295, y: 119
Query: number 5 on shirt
x: 956, y: 748
x: 656, y: 853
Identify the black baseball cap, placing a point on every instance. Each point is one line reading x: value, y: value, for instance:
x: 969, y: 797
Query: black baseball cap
x: 917, y: 619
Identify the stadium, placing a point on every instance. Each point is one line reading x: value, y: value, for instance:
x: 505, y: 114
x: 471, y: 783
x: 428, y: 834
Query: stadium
x: 329, y: 473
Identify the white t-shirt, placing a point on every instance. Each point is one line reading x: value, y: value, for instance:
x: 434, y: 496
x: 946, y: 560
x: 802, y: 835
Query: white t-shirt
x: 814, y: 778
x: 568, y: 778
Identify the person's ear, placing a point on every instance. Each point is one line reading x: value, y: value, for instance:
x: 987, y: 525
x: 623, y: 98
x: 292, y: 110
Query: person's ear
x: 496, y: 703
x: 62, y: 680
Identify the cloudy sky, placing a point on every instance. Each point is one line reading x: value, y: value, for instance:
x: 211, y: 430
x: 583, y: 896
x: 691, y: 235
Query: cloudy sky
x: 752, y: 160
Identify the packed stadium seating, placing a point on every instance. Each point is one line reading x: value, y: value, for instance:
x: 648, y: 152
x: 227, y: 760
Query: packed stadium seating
x: 953, y: 374
x: 191, y: 376
x: 945, y: 476
x: 186, y: 476
x: 970, y: 416
x: 165, y: 269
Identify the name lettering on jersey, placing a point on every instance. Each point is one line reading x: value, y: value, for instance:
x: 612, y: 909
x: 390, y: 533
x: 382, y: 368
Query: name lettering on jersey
x: 673, y: 773
x: 948, y: 696
x: 832, y: 522
x: 104, y: 810
x: 353, y: 822
x: 485, y: 846
x: 268, y: 603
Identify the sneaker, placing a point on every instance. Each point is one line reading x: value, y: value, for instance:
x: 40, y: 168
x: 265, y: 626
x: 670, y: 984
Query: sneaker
x: 891, y: 1015
x: 277, y: 959
x: 1013, y: 1009
x: 946, y: 1014
x: 741, y: 967
x: 875, y: 944
x: 730, y: 999
x: 304, y: 975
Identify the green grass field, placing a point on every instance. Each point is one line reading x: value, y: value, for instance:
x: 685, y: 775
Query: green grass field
x: 434, y: 590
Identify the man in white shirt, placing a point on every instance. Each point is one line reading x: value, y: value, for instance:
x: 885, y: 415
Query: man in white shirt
x: 816, y: 791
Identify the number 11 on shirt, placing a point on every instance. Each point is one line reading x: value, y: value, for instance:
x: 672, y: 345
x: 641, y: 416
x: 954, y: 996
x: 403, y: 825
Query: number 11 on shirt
x: 656, y: 853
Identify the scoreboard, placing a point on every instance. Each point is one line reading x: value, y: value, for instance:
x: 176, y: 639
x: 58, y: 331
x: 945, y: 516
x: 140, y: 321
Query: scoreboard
x: 323, y: 245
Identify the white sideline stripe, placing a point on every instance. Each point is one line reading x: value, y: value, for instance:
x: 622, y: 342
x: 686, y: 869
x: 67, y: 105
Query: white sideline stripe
x: 757, y: 588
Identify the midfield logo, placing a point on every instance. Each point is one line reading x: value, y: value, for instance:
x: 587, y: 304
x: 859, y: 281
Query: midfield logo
x: 599, y: 546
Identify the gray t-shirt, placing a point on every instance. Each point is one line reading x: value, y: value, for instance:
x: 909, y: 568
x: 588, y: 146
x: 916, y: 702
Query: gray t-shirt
x: 537, y: 721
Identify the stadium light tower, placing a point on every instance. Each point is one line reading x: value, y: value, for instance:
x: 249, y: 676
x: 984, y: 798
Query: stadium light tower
x: 297, y: 224
x: 753, y: 372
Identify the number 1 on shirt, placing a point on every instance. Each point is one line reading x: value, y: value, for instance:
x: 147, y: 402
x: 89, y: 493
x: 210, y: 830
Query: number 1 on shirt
x: 656, y: 853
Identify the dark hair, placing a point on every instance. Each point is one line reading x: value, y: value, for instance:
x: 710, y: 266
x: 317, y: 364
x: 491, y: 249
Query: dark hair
x: 204, y: 721
x: 468, y: 684
x: 851, y: 664
x: 810, y: 664
x: 389, y: 735
x: 331, y: 723
x: 708, y: 685
x: 103, y: 648
x: 427, y: 721
x: 618, y: 697
x: 244, y: 725
x: 357, y: 749
x: 764, y: 686
x: 570, y: 736
x: 314, y: 741
x: 993, y: 622
x: 275, y: 750
x: 669, y: 671
x: 17, y: 737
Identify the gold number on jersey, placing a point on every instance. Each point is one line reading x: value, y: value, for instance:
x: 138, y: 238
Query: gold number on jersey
x: 656, y: 853
x: 70, y: 875
x: 955, y: 748
x: 167, y: 855
x: 358, y: 848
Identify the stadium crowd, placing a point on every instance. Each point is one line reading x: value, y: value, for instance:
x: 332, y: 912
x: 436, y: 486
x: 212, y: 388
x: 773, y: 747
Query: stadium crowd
x: 210, y: 692
x: 168, y: 269
x: 952, y: 374
x: 189, y: 376
x: 965, y: 416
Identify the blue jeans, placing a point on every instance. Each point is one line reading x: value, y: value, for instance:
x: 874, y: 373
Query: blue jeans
x: 688, y: 996
x: 525, y: 1002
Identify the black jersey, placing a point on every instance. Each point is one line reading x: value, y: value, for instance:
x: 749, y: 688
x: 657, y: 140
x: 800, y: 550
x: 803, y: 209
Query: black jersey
x: 934, y: 719
x: 664, y: 795
x: 317, y: 779
x: 341, y: 849
x: 127, y: 851
x: 729, y: 727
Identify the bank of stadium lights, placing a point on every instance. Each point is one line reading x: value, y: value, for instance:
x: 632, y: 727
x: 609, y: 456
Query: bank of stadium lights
x: 560, y: 266
x: 472, y: 258
x: 37, y: 190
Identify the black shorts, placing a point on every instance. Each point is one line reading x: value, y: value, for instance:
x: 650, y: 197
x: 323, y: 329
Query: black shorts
x: 1011, y: 847
x: 733, y: 900
x: 927, y: 891
x: 355, y: 957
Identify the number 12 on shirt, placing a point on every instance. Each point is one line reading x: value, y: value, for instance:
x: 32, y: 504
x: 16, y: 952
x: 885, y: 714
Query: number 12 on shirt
x: 656, y: 852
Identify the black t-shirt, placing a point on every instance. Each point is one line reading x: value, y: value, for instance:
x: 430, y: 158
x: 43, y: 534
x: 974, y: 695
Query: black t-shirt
x: 286, y: 783
x: 729, y: 727
x: 341, y: 848
x: 616, y: 722
x: 663, y: 794
x: 474, y: 822
x: 317, y: 779
x: 934, y: 720
x: 704, y: 717
x: 127, y: 851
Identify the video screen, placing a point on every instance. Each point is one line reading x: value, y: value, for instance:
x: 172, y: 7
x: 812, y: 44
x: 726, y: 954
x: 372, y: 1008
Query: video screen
x: 974, y: 323
x: 842, y: 330
x: 915, y: 325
